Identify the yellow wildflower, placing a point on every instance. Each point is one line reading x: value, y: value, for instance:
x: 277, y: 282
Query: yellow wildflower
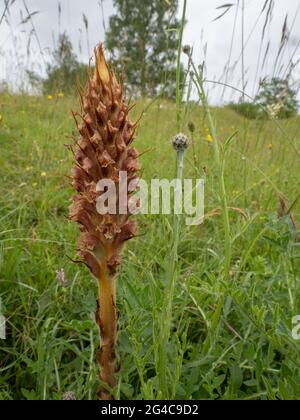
x: 209, y: 138
x: 50, y: 97
x: 34, y: 184
x: 60, y: 94
x: 28, y: 168
x: 43, y: 174
x: 270, y: 146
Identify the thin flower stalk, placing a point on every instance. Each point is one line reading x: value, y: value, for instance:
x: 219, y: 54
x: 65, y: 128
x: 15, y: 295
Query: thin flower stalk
x: 180, y: 144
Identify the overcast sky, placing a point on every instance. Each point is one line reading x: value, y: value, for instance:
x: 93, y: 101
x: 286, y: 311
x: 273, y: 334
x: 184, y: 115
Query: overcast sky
x: 200, y: 29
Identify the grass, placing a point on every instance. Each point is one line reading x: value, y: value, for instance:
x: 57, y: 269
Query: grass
x: 245, y: 351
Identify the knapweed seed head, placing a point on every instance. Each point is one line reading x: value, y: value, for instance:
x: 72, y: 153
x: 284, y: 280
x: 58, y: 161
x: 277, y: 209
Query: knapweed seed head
x: 180, y: 142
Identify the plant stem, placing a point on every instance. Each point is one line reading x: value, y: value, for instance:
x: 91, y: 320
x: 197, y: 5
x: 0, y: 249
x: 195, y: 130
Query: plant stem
x: 194, y: 154
x: 220, y: 162
x: 243, y: 49
x: 180, y: 156
x: 107, y: 320
x: 178, y: 71
x: 166, y: 315
x: 166, y: 319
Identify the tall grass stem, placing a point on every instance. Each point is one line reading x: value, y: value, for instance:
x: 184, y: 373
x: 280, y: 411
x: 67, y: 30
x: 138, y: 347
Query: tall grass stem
x: 178, y: 71
x: 166, y: 316
x: 220, y: 163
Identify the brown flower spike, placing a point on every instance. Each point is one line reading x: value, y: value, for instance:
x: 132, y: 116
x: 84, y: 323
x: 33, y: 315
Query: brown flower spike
x: 102, y: 151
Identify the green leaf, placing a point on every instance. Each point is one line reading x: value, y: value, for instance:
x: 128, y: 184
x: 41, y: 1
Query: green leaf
x: 236, y: 377
x: 29, y: 395
x: 284, y: 391
x: 217, y: 382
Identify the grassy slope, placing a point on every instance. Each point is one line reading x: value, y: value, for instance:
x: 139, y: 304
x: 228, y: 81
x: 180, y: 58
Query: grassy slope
x: 50, y: 348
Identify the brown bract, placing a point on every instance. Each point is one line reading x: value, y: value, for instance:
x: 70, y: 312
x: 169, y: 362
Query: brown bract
x: 102, y: 151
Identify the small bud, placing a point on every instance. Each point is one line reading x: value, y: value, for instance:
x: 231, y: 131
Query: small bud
x: 191, y: 126
x: 69, y: 396
x: 180, y: 142
x: 60, y: 276
x: 187, y: 49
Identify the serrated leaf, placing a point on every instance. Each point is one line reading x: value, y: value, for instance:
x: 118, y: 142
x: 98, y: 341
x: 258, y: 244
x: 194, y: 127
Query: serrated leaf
x: 29, y: 395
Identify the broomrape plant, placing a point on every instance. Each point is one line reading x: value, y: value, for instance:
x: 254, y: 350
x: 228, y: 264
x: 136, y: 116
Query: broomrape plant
x: 102, y: 151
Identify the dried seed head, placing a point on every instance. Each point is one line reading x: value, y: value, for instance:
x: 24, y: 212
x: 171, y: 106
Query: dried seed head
x: 69, y: 396
x: 103, y: 150
x: 180, y: 142
x: 60, y: 276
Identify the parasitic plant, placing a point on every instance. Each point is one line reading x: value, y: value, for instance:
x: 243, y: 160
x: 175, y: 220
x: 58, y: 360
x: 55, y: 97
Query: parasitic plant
x: 103, y: 151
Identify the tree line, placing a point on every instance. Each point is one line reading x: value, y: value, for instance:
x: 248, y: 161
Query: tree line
x: 142, y: 36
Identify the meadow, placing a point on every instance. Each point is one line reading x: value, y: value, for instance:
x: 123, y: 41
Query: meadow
x: 229, y: 340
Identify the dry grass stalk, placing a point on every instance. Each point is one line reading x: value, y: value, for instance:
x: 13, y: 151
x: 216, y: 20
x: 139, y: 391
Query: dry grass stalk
x: 102, y: 151
x: 284, y: 210
x: 218, y: 212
